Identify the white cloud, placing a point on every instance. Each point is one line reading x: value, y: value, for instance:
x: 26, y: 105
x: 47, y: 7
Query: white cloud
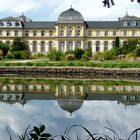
x: 90, y: 9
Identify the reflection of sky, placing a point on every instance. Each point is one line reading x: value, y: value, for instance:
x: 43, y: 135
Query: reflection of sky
x: 93, y: 115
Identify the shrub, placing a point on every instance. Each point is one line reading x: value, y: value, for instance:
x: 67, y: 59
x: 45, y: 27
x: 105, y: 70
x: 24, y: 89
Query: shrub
x: 70, y: 57
x: 36, y: 56
x: 18, y: 55
x: 87, y: 54
x: 78, y: 53
x: 130, y: 56
x: 54, y: 55
x: 137, y: 51
x: 98, y: 56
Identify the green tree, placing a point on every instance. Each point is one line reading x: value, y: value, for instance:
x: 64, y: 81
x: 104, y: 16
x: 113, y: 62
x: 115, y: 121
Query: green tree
x: 3, y: 49
x: 130, y: 45
x: 78, y: 53
x: 18, y: 45
x: 117, y: 42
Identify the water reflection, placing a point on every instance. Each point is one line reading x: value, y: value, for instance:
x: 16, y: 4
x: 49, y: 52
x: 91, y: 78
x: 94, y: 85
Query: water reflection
x: 59, y: 104
x: 70, y: 96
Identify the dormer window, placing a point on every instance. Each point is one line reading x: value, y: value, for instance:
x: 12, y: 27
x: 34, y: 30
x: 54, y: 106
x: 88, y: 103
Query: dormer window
x: 9, y: 24
x: 125, y: 23
x: 1, y: 23
x: 17, y: 23
x: 133, y: 23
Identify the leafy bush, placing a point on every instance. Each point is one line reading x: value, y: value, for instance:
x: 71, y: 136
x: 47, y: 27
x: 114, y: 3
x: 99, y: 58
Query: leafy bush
x: 18, y: 55
x: 78, y: 53
x: 70, y: 57
x: 54, y: 55
x: 36, y: 56
x: 87, y: 54
x: 137, y: 51
x: 98, y: 56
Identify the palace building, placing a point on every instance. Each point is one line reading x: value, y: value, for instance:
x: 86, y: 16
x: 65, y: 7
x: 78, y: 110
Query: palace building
x: 69, y: 32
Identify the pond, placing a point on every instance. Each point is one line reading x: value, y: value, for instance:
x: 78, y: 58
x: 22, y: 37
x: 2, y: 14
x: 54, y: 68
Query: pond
x: 98, y: 105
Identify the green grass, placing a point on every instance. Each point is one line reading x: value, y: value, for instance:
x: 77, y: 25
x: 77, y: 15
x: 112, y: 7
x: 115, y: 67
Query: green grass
x: 100, y: 64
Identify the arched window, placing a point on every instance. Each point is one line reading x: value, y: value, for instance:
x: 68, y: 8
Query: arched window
x: 34, y: 46
x: 42, y: 46
x: 89, y: 44
x: 78, y: 44
x: 27, y: 44
x: 50, y: 45
x: 97, y: 46
x: 113, y: 44
x: 62, y: 44
x: 69, y: 46
x: 105, y: 46
x: 62, y: 33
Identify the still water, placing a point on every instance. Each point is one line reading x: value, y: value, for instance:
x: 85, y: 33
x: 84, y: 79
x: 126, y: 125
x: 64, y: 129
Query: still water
x: 59, y: 104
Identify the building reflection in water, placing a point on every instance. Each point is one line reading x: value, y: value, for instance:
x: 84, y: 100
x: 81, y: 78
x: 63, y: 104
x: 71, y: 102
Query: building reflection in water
x: 70, y: 97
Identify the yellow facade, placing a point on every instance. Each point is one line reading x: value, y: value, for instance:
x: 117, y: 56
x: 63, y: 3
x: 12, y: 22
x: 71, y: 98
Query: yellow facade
x: 69, y: 32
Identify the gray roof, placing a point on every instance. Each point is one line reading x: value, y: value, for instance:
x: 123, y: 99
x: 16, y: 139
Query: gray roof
x: 9, y: 19
x: 103, y: 24
x: 39, y: 25
x: 110, y: 24
x: 70, y: 16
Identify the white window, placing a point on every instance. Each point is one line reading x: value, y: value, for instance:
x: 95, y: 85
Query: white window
x: 1, y: 23
x: 89, y: 33
x: 78, y: 33
x: 0, y: 32
x: 62, y: 44
x: 113, y: 44
x: 114, y: 33
x: 70, y: 33
x: 26, y: 33
x: 17, y: 23
x: 16, y: 33
x: 9, y: 24
x: 50, y: 33
x: 42, y: 46
x: 34, y: 46
x: 97, y: 33
x: 89, y: 44
x: 125, y: 32
x: 78, y: 45
x: 42, y: 33
x: 97, y: 46
x: 34, y: 33
x: 61, y: 33
x: 106, y: 33
x: 50, y: 45
x: 8, y: 32
x: 69, y: 46
x: 125, y: 23
x: 133, y: 32
x: 105, y: 45
x: 133, y: 23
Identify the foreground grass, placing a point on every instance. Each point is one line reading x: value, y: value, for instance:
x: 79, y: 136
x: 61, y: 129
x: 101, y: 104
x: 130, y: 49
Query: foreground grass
x: 102, y: 64
x: 39, y: 133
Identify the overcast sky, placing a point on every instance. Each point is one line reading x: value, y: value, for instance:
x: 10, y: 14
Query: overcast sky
x: 49, y: 10
x: 92, y: 114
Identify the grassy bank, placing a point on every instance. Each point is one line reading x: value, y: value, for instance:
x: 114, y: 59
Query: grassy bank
x: 102, y: 64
